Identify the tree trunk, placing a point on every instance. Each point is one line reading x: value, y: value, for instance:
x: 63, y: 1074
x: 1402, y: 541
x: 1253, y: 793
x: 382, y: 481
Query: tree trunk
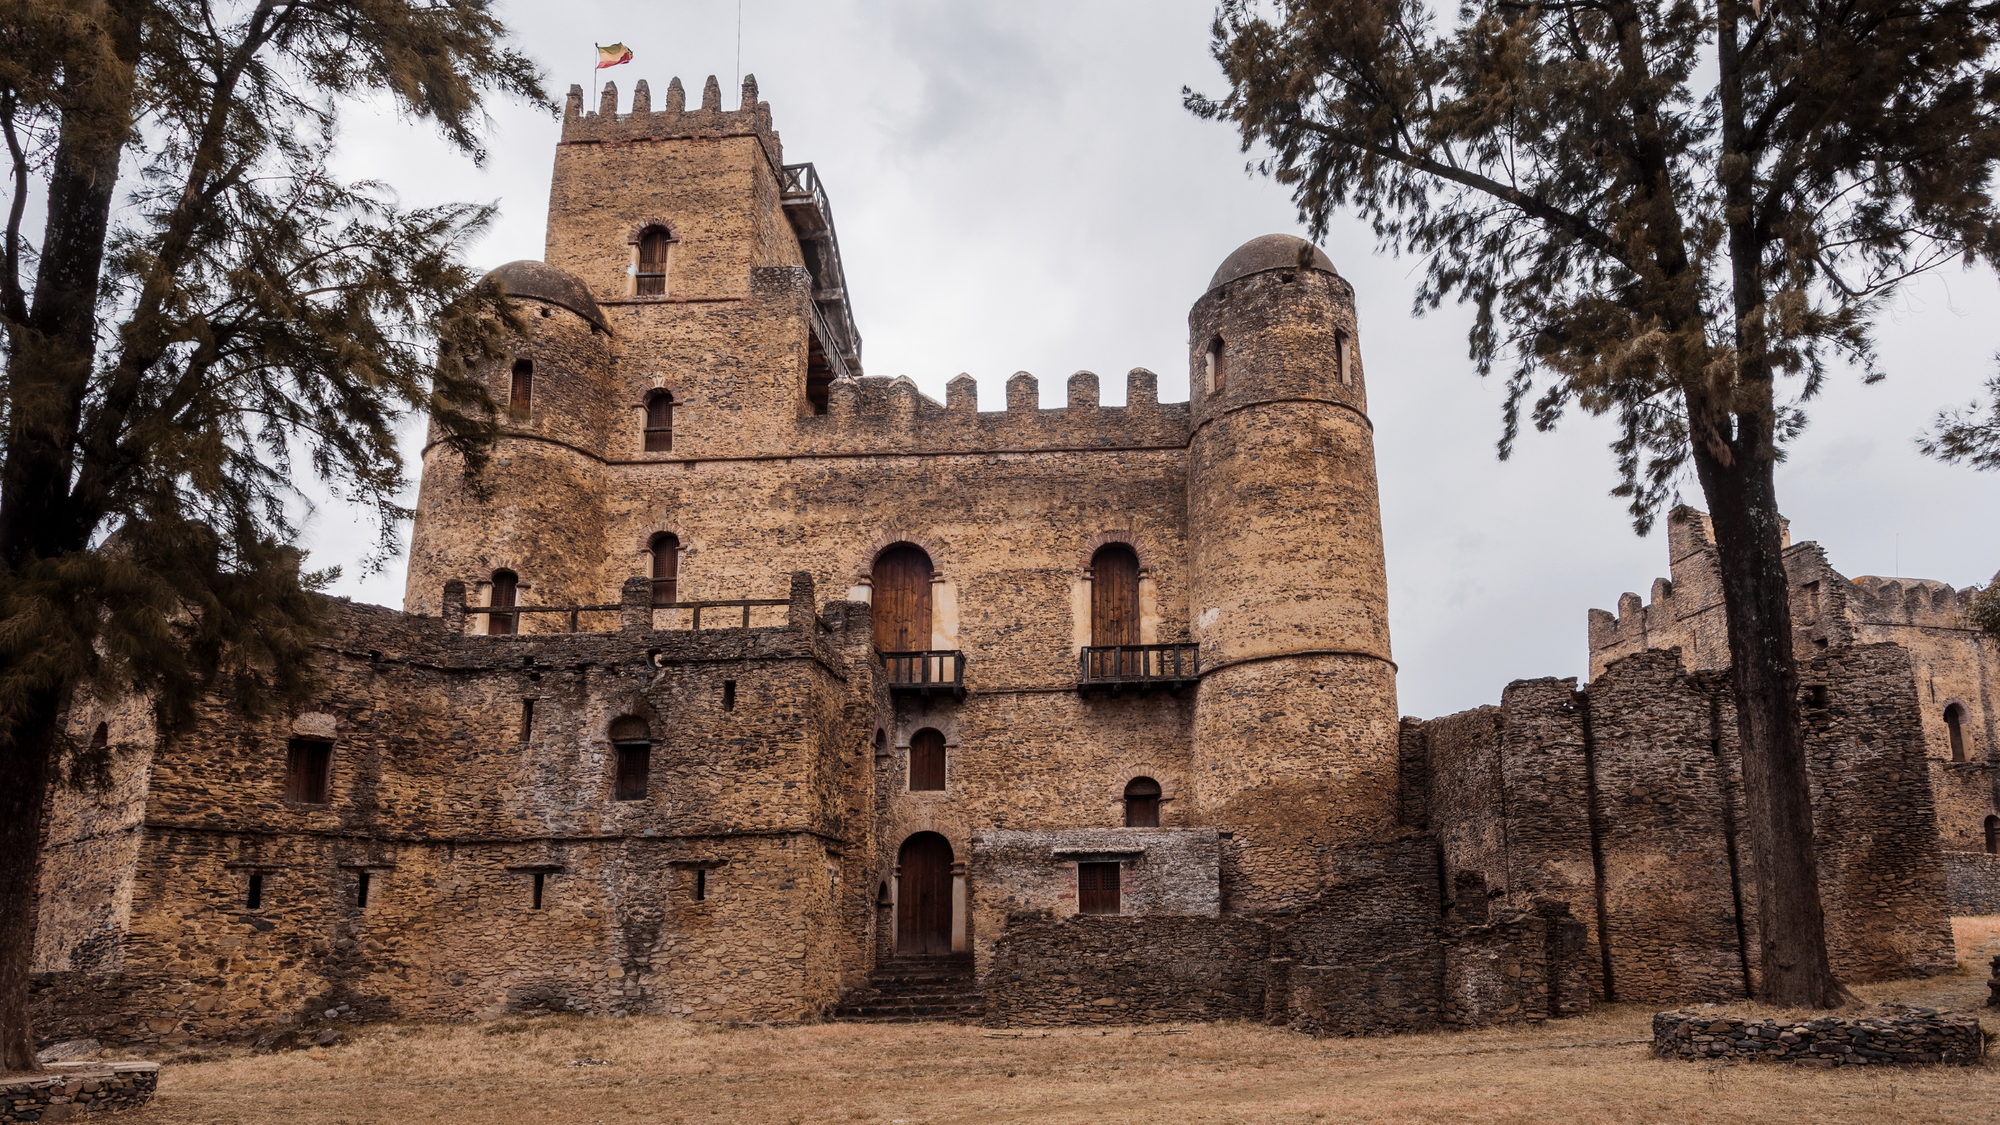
x: 1743, y: 502
x: 24, y: 776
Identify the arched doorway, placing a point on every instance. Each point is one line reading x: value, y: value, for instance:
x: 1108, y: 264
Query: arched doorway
x: 901, y: 597
x: 923, y: 896
x: 1114, y: 609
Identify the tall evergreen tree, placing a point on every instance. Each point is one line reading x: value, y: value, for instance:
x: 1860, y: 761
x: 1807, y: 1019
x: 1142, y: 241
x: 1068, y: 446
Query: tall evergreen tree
x: 1674, y: 212
x: 207, y: 311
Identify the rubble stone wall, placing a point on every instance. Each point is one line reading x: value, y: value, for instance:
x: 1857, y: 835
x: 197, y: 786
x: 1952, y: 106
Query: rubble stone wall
x: 1973, y: 879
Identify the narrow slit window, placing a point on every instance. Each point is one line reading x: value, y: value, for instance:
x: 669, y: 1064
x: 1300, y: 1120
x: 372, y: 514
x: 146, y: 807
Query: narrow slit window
x: 700, y: 884
x: 307, y: 763
x: 729, y: 695
x: 361, y: 890
x: 521, y: 395
x: 527, y: 719
x: 651, y: 275
x: 506, y: 589
x: 255, y: 898
x: 666, y: 550
x: 1992, y: 835
x: 1954, y: 726
x: 1343, y: 362
x: 1142, y: 803
x: 660, y: 422
x: 1218, y: 366
x: 1097, y: 888
x: 926, y: 761
x: 537, y: 903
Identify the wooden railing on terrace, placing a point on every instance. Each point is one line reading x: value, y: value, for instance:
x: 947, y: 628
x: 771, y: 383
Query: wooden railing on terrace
x: 925, y: 672
x: 1116, y: 667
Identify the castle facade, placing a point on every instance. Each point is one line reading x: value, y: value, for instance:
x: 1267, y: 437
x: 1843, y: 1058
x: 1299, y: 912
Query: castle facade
x: 749, y: 686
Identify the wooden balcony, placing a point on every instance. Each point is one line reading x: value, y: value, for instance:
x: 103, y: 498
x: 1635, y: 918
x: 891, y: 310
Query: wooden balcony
x: 930, y: 672
x: 1116, y: 668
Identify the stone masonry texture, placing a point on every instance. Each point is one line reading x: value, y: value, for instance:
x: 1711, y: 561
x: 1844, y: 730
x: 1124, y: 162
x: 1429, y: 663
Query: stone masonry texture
x: 707, y: 807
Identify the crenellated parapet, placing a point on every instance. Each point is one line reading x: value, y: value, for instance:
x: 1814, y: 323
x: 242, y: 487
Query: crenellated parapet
x: 1908, y: 601
x: 876, y: 414
x: 672, y: 120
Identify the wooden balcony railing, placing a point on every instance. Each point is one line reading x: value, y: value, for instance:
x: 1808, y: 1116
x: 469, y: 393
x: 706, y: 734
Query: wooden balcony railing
x: 1116, y: 667
x: 508, y: 612
x: 931, y: 672
x: 744, y: 603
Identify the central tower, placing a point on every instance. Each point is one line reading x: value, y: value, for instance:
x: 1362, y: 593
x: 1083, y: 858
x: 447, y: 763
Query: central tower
x: 1295, y: 719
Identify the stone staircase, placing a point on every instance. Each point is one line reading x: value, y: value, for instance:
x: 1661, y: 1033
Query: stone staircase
x: 915, y: 990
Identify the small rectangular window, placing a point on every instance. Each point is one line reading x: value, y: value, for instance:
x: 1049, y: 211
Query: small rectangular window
x: 521, y: 393
x: 307, y: 763
x: 700, y: 884
x: 527, y: 719
x: 1342, y: 361
x: 539, y: 876
x: 635, y: 766
x: 729, y: 695
x: 1097, y: 888
x: 1218, y: 367
x: 255, y: 898
x: 361, y: 890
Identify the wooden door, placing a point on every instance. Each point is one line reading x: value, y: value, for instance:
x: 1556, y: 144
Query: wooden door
x: 1114, y: 608
x: 902, y: 600
x: 923, y: 896
x: 1097, y: 888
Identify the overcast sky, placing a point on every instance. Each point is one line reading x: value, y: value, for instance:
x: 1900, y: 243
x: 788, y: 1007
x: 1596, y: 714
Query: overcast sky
x: 1017, y: 188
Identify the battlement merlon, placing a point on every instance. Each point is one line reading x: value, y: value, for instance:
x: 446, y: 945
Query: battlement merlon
x: 674, y: 120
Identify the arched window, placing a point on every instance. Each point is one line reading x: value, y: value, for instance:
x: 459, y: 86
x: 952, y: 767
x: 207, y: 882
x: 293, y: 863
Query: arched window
x: 1993, y: 835
x: 632, y: 741
x: 1218, y: 366
x: 660, y: 422
x: 652, y: 273
x: 520, y: 397
x: 1142, y: 803
x: 666, y: 568
x: 1954, y: 725
x: 505, y: 587
x: 926, y: 761
x: 901, y: 597
x: 1114, y: 609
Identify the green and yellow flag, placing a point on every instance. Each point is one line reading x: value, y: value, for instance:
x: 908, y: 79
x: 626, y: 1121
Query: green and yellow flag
x: 613, y: 55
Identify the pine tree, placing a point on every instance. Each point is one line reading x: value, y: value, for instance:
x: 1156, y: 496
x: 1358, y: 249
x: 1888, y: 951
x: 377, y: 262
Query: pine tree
x: 1675, y: 212
x: 209, y: 311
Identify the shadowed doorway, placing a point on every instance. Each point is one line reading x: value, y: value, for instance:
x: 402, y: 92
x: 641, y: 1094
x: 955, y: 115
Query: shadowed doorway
x: 923, y: 896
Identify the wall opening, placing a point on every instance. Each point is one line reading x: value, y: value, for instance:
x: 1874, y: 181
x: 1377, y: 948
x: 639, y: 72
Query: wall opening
x: 729, y: 695
x: 701, y: 884
x: 255, y: 898
x: 1954, y: 726
x: 1343, y: 362
x: 1218, y: 366
x: 1993, y: 835
x: 660, y: 422
x: 923, y: 896
x: 521, y: 393
x: 632, y: 741
x: 308, y: 761
x: 927, y: 761
x: 901, y: 597
x: 505, y: 589
x: 536, y: 903
x: 1114, y: 609
x: 666, y: 550
x: 1097, y: 888
x: 1142, y: 803
x: 361, y: 881
x: 527, y: 719
x: 650, y: 277
x: 100, y: 741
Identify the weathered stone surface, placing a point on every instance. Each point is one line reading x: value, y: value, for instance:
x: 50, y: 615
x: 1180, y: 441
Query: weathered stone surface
x: 74, y: 1088
x: 1892, y: 1036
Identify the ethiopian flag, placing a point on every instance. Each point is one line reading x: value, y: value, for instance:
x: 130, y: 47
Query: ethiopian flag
x: 613, y: 55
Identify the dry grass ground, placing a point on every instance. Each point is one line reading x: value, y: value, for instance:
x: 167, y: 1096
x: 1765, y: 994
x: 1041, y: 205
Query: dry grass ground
x: 661, y: 1070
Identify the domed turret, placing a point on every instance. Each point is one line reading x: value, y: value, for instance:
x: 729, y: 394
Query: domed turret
x: 1295, y: 719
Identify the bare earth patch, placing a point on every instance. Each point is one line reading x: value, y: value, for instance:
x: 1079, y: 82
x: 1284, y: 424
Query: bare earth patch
x: 573, y: 1069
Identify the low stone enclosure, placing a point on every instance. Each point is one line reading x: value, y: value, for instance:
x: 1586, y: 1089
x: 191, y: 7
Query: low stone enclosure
x: 1896, y: 1036
x: 1974, y: 882
x: 75, y: 1088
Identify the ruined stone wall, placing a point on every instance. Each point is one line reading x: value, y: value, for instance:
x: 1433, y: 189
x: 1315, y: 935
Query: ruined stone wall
x: 1162, y: 871
x: 1101, y: 969
x: 454, y: 812
x: 1972, y: 880
x: 91, y: 835
x: 1623, y: 803
x: 1952, y: 662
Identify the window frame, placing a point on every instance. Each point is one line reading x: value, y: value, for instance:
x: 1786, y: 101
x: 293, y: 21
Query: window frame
x: 521, y: 390
x: 938, y: 771
x: 503, y: 624
x: 1142, y: 800
x: 669, y: 583
x: 641, y: 276
x: 309, y: 771
x: 1092, y: 895
x: 658, y: 438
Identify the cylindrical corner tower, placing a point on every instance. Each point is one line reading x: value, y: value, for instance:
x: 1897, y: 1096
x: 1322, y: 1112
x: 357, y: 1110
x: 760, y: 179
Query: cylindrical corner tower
x: 1295, y: 719
x: 542, y: 519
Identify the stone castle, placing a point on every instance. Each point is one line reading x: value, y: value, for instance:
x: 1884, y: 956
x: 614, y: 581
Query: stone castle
x: 757, y: 688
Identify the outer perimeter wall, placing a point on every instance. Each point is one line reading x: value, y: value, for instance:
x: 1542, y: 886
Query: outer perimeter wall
x: 1624, y: 801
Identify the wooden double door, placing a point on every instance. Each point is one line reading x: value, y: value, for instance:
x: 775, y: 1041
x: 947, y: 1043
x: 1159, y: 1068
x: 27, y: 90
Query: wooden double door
x: 923, y: 896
